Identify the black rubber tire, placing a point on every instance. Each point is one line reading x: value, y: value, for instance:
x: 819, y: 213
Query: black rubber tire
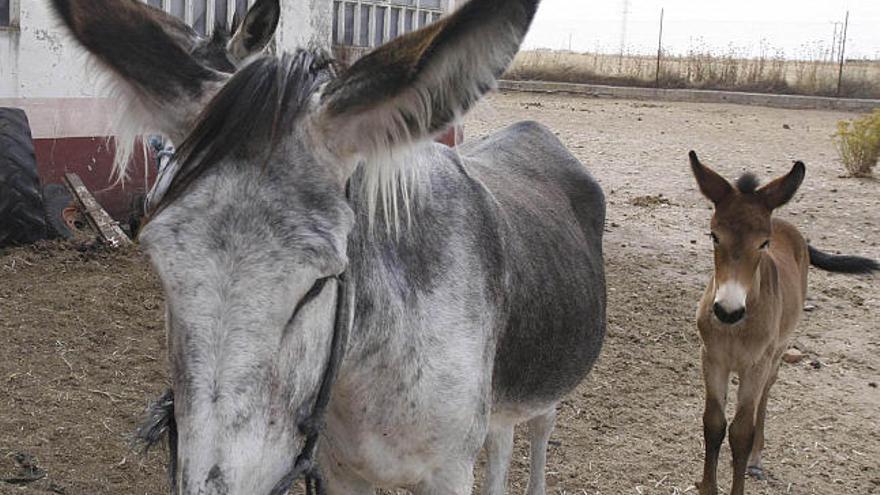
x: 55, y: 199
x: 22, y: 218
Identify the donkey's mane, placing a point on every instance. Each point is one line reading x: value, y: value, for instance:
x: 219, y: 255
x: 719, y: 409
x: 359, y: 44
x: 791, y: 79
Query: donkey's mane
x: 747, y: 183
x: 256, y: 107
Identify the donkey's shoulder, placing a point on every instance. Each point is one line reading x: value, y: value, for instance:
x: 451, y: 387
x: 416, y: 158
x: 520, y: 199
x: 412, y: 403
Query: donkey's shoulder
x: 528, y: 156
x: 524, y: 134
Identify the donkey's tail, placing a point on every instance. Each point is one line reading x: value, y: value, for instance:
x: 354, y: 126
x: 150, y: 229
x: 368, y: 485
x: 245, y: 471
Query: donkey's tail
x: 842, y: 264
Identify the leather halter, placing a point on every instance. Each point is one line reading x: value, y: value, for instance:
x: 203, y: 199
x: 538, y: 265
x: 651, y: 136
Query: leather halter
x: 160, y: 415
x: 305, y: 465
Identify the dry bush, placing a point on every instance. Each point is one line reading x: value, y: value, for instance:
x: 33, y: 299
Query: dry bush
x: 858, y: 144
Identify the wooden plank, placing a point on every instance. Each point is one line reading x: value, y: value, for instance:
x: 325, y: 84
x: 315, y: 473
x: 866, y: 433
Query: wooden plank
x: 97, y: 217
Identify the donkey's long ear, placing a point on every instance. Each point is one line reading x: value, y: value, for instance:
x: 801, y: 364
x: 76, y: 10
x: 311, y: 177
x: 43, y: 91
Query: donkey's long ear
x: 417, y: 84
x: 256, y: 31
x: 148, y: 50
x: 781, y: 190
x: 712, y: 185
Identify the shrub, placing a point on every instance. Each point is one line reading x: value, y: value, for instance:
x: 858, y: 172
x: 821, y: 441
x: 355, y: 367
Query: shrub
x: 858, y: 143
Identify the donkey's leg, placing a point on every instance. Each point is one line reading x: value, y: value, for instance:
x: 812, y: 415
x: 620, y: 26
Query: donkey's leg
x: 715, y: 379
x: 742, y: 429
x: 456, y: 478
x: 756, y: 467
x: 339, y: 481
x: 344, y: 485
x: 540, y: 428
x: 499, y: 446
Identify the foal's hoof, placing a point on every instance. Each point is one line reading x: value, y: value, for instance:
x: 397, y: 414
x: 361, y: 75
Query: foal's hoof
x: 706, y: 490
x: 756, y: 472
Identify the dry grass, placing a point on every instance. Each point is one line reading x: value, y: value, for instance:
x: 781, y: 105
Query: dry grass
x: 702, y: 68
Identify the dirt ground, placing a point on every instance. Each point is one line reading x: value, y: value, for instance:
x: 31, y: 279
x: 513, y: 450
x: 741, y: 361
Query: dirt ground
x: 82, y: 343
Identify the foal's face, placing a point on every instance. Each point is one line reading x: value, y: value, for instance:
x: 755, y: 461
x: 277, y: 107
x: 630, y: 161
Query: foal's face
x: 741, y: 230
x: 741, y: 235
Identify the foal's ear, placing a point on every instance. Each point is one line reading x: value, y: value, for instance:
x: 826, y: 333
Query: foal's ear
x: 416, y: 85
x: 712, y: 185
x: 146, y: 49
x: 781, y: 190
x: 255, y: 32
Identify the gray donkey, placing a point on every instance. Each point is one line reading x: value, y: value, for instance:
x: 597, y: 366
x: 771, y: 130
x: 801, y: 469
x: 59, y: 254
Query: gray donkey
x: 299, y: 301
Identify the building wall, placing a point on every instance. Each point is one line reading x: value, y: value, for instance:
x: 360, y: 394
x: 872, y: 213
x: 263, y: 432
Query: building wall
x: 39, y: 60
x: 305, y: 23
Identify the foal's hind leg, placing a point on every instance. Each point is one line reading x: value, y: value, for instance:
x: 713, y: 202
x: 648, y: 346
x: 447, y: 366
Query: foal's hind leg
x: 540, y: 428
x: 499, y: 446
x: 756, y: 466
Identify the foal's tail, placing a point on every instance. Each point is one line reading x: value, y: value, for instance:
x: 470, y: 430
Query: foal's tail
x: 842, y: 264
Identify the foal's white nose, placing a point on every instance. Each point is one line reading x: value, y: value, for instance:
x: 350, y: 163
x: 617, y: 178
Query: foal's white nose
x: 731, y: 296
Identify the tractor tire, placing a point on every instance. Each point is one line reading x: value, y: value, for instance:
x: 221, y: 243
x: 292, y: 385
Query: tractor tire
x: 22, y: 218
x: 56, y: 199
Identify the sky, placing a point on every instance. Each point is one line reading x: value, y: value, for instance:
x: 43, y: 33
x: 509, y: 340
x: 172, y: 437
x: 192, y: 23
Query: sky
x: 801, y: 28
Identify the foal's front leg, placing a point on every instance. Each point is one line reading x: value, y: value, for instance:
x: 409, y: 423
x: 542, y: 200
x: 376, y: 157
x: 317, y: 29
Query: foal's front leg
x: 715, y: 379
x: 742, y: 429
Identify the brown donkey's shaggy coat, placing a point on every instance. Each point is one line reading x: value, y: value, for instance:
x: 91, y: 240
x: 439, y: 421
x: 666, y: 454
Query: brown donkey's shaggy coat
x: 750, y: 308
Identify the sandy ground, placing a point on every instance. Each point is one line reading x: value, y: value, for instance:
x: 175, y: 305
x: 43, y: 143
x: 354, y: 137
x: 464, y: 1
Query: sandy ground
x: 82, y: 341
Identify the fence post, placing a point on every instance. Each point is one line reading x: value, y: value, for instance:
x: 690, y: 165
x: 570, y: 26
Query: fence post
x: 842, y: 54
x: 660, y: 47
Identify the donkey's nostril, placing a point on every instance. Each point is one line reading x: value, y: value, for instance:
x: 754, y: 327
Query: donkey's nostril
x: 728, y: 317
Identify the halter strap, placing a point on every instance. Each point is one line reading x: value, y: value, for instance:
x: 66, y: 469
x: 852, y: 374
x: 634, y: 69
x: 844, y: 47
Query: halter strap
x: 305, y: 465
x: 160, y: 415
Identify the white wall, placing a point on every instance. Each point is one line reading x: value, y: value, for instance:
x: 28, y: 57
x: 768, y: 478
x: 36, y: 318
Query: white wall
x: 41, y: 61
x: 305, y: 23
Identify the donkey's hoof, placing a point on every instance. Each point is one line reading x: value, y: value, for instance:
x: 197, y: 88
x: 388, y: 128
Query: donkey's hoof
x: 756, y: 472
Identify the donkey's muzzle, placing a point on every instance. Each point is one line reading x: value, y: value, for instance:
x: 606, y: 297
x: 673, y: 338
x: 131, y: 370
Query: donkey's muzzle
x: 728, y: 317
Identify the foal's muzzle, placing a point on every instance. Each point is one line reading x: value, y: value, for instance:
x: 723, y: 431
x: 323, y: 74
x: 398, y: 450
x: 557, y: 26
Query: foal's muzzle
x: 728, y: 317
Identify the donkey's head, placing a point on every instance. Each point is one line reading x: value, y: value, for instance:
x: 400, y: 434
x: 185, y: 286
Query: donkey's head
x: 741, y: 230
x: 252, y: 226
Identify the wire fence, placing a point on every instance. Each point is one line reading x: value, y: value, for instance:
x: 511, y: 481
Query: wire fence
x: 828, y: 58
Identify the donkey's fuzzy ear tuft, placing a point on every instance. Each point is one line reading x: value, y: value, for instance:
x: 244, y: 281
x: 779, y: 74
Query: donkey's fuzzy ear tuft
x: 712, y: 185
x: 256, y: 30
x: 781, y: 190
x: 418, y: 84
x: 146, y: 47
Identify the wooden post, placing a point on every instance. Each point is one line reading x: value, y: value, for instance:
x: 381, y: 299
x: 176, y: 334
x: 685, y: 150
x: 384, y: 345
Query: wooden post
x: 99, y: 219
x: 660, y: 47
x: 842, y: 54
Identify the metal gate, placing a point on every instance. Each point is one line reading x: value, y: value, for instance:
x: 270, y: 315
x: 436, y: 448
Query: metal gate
x: 370, y: 23
x: 9, y: 13
x: 203, y: 15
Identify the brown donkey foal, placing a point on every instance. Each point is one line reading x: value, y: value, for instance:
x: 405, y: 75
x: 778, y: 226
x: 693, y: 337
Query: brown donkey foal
x: 750, y: 309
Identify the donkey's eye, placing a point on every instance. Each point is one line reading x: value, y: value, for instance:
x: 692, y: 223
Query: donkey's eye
x: 714, y: 237
x: 314, y: 292
x: 765, y: 245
